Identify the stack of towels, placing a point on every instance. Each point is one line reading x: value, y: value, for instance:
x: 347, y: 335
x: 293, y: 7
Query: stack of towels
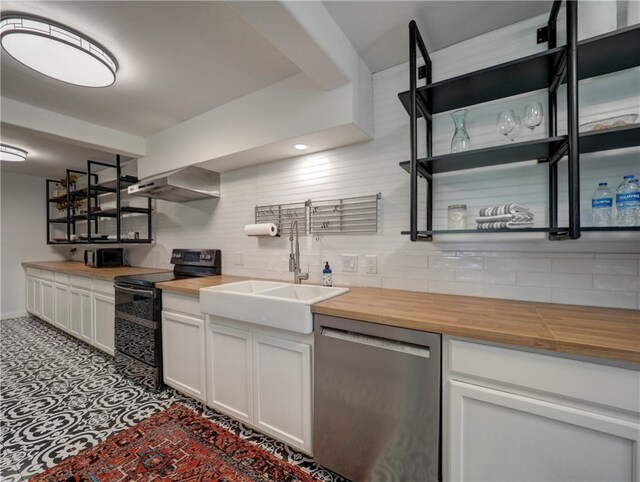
x: 505, y: 216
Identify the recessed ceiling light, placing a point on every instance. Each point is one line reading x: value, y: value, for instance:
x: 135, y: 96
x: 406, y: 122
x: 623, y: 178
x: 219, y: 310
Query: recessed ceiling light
x: 57, y: 51
x: 300, y: 147
x: 12, y: 154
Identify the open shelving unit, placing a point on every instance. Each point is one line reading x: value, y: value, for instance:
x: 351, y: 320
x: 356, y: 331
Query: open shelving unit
x: 611, y: 52
x: 92, y: 195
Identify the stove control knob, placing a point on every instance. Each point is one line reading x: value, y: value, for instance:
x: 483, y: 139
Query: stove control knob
x: 208, y: 257
x: 202, y: 257
x: 178, y: 255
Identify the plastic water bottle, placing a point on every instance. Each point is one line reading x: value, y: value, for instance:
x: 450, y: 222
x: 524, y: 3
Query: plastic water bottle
x: 601, y: 206
x: 634, y: 189
x: 626, y: 203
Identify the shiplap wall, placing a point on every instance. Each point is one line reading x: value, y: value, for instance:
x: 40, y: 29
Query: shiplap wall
x: 596, y: 270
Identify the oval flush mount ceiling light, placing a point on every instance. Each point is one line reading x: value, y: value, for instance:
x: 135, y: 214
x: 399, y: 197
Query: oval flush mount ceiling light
x: 300, y: 147
x: 57, y: 51
x: 12, y: 154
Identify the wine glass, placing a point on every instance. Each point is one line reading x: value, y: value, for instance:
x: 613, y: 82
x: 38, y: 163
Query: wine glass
x: 506, y: 122
x: 532, y: 115
x: 517, y: 129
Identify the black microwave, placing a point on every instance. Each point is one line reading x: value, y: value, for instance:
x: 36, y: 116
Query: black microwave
x: 104, y: 258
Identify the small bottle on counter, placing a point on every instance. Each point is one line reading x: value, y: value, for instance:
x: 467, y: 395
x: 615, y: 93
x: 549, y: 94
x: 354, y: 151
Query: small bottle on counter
x: 327, y: 276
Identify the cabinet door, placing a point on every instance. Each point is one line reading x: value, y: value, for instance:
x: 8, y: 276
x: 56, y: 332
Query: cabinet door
x: 37, y: 297
x: 61, y: 318
x: 80, y: 314
x: 282, y: 389
x: 229, y: 371
x: 48, y: 301
x: 183, y: 354
x: 104, y: 323
x: 500, y: 436
x: 30, y: 291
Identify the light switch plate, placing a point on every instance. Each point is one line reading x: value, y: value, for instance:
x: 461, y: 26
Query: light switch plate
x: 238, y: 258
x: 349, y: 263
x: 372, y: 264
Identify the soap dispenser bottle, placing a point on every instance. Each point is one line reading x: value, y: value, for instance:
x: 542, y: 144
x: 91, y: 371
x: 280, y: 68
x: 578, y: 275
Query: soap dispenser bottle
x: 327, y: 277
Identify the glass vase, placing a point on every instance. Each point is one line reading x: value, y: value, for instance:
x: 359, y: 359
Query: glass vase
x: 460, y: 141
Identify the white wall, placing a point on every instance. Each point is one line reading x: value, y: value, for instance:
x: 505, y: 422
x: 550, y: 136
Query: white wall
x: 23, y: 236
x: 596, y: 270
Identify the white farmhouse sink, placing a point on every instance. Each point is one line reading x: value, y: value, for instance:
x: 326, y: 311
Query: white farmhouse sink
x: 277, y: 305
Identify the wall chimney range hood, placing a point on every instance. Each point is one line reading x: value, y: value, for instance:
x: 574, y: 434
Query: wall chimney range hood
x: 181, y: 185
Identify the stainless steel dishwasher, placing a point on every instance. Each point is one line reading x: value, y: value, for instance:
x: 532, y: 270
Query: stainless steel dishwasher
x: 376, y: 401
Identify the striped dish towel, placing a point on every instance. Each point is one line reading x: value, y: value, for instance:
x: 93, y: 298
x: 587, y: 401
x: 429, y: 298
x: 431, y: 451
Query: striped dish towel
x: 504, y: 225
x: 510, y: 208
x: 514, y: 218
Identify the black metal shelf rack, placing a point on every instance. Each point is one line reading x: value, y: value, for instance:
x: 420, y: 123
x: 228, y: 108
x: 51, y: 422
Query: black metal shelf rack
x: 92, y: 194
x: 611, y: 52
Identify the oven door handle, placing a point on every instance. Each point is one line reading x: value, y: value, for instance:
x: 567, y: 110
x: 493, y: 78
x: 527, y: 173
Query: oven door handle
x: 148, y: 292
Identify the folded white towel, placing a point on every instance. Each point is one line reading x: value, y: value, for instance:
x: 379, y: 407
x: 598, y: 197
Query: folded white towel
x: 516, y: 218
x: 504, y: 225
x: 510, y: 208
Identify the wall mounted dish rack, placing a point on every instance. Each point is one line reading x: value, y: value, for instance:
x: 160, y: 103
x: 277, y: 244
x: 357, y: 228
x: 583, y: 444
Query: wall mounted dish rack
x: 328, y: 216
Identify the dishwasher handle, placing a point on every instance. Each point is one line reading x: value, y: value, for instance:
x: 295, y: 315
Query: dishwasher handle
x: 376, y: 342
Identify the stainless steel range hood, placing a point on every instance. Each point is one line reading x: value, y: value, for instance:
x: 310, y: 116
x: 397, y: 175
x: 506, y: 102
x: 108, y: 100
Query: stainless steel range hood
x: 187, y: 184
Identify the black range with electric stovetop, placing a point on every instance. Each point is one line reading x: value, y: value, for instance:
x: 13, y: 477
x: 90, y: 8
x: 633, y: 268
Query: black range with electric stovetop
x: 138, y: 310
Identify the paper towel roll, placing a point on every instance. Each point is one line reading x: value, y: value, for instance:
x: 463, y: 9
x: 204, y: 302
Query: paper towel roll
x: 264, y: 229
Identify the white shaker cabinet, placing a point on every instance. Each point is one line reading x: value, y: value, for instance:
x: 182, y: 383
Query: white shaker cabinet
x: 282, y: 389
x: 81, y: 314
x: 515, y: 415
x: 183, y: 352
x: 104, y: 322
x: 229, y: 371
x: 61, y: 318
x: 48, y: 301
x: 261, y: 376
x: 34, y: 295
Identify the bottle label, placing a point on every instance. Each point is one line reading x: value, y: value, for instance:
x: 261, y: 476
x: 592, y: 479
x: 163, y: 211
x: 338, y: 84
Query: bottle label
x: 603, y: 202
x: 327, y: 279
x: 627, y: 198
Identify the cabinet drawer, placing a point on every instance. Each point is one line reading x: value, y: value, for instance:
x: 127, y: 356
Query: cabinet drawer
x: 62, y: 278
x: 590, y: 382
x: 182, y: 304
x: 81, y: 282
x: 35, y: 272
x: 47, y: 275
x: 103, y: 286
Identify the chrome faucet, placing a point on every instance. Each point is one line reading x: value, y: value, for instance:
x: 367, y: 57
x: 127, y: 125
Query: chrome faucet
x: 294, y: 256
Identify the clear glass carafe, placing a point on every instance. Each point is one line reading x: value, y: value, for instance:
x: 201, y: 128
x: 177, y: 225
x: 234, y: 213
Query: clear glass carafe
x: 460, y: 141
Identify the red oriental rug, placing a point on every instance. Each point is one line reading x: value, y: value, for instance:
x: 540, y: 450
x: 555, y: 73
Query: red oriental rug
x: 175, y: 444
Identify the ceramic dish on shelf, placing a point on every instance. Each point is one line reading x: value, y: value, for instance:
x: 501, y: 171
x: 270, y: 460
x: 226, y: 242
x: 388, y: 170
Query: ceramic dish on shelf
x: 610, y: 122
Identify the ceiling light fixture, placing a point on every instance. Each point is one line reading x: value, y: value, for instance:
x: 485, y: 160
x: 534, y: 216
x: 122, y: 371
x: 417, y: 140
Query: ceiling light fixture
x: 301, y: 147
x: 57, y: 51
x: 12, y: 154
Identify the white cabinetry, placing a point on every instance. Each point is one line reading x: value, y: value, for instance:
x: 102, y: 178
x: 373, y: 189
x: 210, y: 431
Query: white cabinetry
x: 184, y: 345
x: 516, y: 415
x: 48, y: 301
x: 263, y: 377
x: 81, y: 314
x: 104, y: 318
x: 61, y: 318
x: 34, y: 295
x: 229, y: 371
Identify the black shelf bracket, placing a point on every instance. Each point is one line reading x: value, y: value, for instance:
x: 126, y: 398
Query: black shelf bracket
x: 542, y: 35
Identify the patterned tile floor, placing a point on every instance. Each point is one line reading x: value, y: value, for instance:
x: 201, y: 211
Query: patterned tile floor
x: 59, y: 396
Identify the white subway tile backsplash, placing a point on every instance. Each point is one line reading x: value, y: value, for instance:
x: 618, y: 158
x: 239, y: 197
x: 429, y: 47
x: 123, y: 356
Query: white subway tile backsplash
x: 616, y: 282
x: 555, y: 280
x: 531, y: 269
x: 619, y: 299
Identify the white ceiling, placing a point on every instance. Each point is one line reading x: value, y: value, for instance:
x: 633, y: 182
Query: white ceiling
x: 178, y: 59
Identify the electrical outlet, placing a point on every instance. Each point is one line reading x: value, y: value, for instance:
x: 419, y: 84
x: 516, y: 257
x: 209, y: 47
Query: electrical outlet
x: 238, y: 258
x: 349, y: 263
x: 372, y: 264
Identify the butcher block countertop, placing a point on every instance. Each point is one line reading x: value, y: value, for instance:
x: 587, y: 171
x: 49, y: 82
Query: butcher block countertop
x: 579, y: 330
x: 80, y: 269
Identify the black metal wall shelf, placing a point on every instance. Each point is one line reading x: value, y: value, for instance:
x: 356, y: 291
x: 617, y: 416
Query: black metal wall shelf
x: 530, y: 73
x: 92, y: 193
x: 611, y: 52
